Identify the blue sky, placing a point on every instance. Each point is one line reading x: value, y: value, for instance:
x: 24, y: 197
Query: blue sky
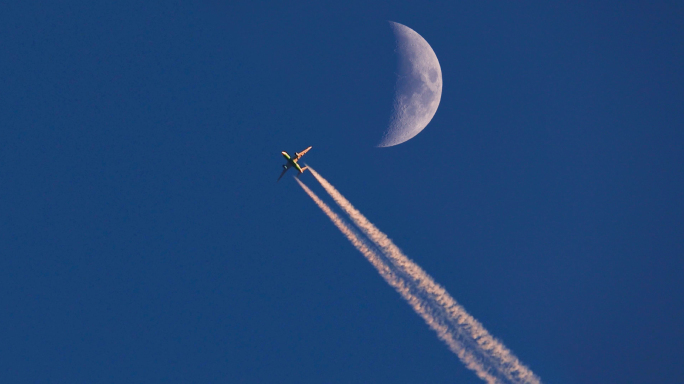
x: 143, y: 237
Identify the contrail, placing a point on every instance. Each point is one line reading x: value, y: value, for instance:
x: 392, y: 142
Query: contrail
x: 492, y: 354
x: 419, y: 305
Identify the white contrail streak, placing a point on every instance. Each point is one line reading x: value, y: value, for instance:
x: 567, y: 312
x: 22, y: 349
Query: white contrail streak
x: 493, y: 355
x: 419, y: 305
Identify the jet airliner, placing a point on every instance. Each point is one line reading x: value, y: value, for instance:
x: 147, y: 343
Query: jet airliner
x: 292, y: 162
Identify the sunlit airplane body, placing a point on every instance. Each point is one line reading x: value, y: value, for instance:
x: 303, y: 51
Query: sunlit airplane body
x: 292, y: 162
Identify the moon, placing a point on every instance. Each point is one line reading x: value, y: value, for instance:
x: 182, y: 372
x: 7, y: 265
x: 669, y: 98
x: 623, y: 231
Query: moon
x: 418, y: 89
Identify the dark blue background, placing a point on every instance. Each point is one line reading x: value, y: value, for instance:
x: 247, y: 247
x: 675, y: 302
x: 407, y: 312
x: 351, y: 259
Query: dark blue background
x: 143, y: 237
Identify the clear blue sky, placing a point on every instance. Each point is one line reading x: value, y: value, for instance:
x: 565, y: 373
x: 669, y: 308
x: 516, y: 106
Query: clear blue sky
x: 143, y: 237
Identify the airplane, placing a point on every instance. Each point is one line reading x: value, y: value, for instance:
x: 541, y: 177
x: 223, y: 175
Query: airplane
x: 292, y: 162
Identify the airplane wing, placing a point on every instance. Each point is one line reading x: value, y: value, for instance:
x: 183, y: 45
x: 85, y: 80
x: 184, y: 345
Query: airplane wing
x: 302, y: 153
x: 282, y: 174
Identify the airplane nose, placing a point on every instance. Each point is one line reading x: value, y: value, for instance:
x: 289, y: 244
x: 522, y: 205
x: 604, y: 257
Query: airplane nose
x: 284, y: 153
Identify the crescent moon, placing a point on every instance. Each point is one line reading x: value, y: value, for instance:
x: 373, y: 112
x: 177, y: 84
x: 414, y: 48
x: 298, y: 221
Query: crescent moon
x: 418, y: 88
